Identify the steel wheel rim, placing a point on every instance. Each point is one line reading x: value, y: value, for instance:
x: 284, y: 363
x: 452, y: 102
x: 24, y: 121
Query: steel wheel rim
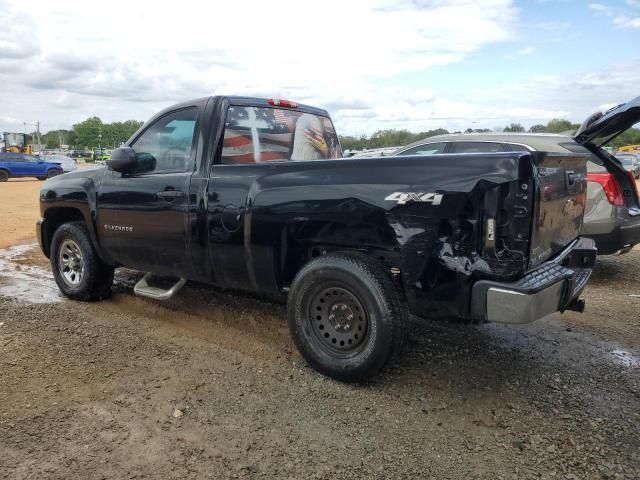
x: 339, y: 321
x: 71, y: 263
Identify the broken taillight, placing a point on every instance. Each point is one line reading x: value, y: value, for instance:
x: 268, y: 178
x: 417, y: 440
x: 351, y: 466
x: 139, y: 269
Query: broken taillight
x: 610, y: 186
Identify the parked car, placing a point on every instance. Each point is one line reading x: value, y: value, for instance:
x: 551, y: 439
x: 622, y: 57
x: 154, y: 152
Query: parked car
x: 264, y: 203
x: 630, y: 162
x: 100, y: 155
x: 68, y: 164
x: 612, y: 216
x: 16, y: 165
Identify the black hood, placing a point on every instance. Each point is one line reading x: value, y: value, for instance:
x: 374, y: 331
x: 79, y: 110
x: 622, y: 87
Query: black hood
x: 608, y: 125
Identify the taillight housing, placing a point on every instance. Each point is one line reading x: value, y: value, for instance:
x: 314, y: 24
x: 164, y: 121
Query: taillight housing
x: 610, y: 186
x: 282, y: 103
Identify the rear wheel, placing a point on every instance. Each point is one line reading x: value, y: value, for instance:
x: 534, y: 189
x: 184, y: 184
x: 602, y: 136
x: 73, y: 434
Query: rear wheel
x: 346, y: 316
x: 77, y: 269
x: 4, y: 176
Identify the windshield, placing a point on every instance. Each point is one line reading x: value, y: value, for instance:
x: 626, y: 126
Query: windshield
x: 14, y: 139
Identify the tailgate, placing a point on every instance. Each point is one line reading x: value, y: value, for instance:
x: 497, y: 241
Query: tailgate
x: 560, y: 189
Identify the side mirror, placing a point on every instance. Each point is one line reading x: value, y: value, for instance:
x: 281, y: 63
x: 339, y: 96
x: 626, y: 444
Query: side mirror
x: 122, y: 160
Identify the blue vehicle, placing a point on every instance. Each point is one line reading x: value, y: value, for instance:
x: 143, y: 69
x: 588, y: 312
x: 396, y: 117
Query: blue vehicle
x: 13, y: 165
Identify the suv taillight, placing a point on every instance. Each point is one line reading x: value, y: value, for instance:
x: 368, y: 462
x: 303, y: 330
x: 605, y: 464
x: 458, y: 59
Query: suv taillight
x: 609, y: 185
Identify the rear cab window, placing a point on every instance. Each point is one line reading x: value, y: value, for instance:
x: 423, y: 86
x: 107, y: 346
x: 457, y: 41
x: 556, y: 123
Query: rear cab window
x: 265, y: 134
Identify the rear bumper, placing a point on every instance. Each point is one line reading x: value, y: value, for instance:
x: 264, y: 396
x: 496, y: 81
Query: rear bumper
x: 621, y: 238
x: 553, y: 287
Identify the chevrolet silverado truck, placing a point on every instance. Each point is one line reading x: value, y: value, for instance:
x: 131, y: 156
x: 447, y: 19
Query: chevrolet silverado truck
x: 252, y: 195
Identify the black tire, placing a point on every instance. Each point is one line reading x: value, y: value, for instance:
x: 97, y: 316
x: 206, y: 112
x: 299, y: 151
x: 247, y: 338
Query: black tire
x: 53, y: 173
x: 41, y: 178
x: 367, y: 329
x: 4, y: 176
x: 94, y: 283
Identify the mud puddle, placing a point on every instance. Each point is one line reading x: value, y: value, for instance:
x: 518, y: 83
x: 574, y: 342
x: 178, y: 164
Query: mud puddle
x: 23, y: 279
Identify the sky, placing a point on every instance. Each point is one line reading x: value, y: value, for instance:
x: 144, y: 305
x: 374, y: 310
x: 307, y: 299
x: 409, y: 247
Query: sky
x: 373, y: 64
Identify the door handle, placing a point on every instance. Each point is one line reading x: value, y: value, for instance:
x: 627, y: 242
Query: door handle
x: 169, y: 195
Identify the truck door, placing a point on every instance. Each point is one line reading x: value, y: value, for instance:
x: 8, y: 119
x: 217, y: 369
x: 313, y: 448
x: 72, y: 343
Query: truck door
x: 142, y: 218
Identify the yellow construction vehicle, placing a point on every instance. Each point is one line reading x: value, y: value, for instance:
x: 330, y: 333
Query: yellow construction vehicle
x: 630, y: 149
x: 17, y: 143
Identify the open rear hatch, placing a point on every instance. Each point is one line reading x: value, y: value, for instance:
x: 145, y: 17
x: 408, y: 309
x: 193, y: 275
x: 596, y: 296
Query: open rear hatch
x: 599, y: 129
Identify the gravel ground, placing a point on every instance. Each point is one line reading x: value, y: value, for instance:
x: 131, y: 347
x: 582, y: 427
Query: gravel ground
x: 209, y: 385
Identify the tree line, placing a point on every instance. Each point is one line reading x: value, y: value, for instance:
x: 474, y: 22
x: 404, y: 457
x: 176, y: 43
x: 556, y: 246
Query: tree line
x: 397, y: 138
x: 91, y: 133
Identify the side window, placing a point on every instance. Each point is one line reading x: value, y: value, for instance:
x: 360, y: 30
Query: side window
x: 426, y: 149
x: 262, y: 134
x: 517, y: 148
x: 478, y: 147
x: 169, y: 141
x: 17, y: 157
x: 30, y: 158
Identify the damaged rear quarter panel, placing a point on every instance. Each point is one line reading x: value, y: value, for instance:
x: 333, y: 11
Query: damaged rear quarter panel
x: 354, y: 204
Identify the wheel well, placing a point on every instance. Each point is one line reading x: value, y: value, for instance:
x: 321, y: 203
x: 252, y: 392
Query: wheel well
x: 387, y: 258
x: 54, y: 218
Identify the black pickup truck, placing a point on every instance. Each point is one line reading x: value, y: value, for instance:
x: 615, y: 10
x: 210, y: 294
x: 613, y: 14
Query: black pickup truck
x: 252, y: 195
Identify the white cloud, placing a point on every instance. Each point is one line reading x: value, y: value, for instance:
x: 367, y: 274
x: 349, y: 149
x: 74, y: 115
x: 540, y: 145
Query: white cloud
x: 598, y: 7
x: 526, y: 51
x: 520, y: 53
x: 66, y: 60
x: 627, y: 22
x: 621, y: 18
x: 73, y: 57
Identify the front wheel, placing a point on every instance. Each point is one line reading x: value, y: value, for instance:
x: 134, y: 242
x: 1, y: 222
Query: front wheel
x: 77, y: 269
x: 346, y: 316
x: 53, y: 173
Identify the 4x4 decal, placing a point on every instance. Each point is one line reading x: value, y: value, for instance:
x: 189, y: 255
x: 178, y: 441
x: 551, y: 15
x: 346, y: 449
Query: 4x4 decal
x: 403, y: 198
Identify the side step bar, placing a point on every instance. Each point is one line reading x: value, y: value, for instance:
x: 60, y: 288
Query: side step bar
x: 143, y: 289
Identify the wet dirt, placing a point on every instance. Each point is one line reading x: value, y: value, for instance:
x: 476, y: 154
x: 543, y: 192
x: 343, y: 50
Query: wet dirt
x: 25, y: 276
x: 209, y: 385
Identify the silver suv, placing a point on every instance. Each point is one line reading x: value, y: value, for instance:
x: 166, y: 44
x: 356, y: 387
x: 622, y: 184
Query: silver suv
x: 612, y: 216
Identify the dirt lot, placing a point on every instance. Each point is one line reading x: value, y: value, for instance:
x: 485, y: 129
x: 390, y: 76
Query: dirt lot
x: 208, y: 385
x: 20, y: 210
